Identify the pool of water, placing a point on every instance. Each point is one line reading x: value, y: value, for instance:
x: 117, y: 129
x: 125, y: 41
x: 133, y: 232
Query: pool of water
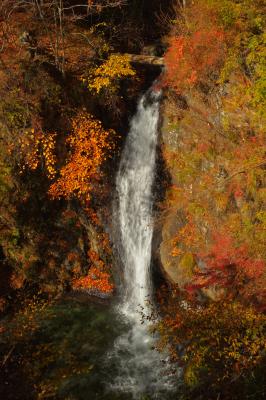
x: 73, y: 353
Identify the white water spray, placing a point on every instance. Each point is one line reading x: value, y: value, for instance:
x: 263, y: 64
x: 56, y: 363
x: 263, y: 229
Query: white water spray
x: 134, y: 185
x: 140, y: 368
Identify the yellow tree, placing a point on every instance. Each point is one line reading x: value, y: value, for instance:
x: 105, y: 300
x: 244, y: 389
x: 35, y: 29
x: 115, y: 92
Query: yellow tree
x: 107, y: 75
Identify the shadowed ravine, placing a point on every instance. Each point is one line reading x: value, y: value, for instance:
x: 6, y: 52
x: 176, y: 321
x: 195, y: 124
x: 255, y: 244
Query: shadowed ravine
x: 141, y: 370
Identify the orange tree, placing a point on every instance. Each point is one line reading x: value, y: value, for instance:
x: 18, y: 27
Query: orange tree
x: 98, y: 278
x: 90, y: 146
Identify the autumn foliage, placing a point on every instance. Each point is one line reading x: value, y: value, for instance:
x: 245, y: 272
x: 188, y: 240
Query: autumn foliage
x: 108, y: 74
x: 37, y: 150
x: 196, y: 49
x: 223, y: 340
x: 214, y: 221
x: 98, y: 280
x: 228, y: 265
x: 218, y: 158
x: 90, y: 145
x: 193, y: 59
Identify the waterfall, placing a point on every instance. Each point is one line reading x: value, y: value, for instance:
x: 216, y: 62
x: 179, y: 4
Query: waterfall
x: 140, y: 368
x: 134, y: 186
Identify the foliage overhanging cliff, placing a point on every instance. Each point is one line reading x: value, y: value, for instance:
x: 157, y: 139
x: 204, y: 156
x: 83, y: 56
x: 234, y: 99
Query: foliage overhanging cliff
x: 213, y: 220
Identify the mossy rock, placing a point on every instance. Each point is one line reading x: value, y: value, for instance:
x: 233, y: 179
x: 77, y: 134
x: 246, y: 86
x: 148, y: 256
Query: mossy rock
x: 186, y: 268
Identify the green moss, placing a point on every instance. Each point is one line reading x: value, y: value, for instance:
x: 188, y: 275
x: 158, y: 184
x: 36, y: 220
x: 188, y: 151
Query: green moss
x: 187, y: 264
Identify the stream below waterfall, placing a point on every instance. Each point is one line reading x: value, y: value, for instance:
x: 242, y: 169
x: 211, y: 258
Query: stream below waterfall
x: 108, y: 348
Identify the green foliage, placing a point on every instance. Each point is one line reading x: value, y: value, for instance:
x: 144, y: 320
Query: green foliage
x: 256, y: 61
x: 228, y: 12
x: 15, y: 111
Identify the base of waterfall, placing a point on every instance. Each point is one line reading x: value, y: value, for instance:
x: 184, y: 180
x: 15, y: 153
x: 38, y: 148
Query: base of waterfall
x: 140, y: 369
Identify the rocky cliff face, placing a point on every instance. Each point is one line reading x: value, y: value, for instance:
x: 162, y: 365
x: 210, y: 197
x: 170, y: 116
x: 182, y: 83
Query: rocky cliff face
x: 189, y: 123
x: 182, y: 120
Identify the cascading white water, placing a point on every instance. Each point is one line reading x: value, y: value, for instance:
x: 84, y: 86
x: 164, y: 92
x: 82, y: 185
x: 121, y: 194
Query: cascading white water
x: 134, y: 186
x: 140, y: 368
